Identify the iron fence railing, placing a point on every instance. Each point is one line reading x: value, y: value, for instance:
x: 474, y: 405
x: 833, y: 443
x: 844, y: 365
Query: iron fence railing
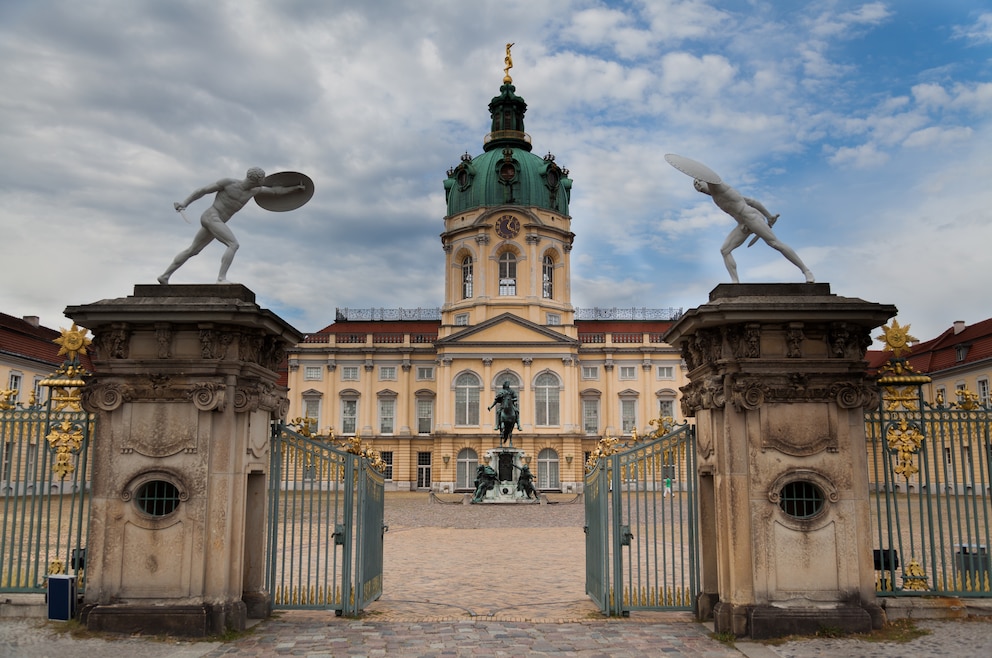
x: 931, y: 506
x: 44, y: 496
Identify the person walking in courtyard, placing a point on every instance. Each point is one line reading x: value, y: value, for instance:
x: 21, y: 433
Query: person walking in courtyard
x: 232, y: 195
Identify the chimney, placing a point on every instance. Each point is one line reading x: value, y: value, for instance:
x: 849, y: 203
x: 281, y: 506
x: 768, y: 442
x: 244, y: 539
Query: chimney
x: 958, y: 326
x: 32, y: 320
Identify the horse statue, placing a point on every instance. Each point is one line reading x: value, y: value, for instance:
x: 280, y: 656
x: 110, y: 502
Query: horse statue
x: 508, y: 415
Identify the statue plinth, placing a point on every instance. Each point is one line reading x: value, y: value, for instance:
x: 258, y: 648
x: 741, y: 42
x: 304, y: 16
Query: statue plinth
x: 778, y: 389
x: 506, y: 482
x: 184, y: 389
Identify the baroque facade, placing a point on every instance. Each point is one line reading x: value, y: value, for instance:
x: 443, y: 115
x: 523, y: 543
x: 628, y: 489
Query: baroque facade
x: 417, y: 384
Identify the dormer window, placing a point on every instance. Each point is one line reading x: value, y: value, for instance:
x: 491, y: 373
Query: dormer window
x: 961, y: 351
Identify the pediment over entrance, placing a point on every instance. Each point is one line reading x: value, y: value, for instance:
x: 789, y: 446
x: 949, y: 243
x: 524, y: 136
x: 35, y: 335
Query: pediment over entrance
x: 507, y: 329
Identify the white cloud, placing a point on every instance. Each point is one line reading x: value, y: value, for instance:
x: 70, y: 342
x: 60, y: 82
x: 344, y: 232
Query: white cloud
x: 105, y: 123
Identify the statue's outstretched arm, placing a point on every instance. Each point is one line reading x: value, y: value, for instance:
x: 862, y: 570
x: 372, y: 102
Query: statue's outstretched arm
x: 757, y: 205
x: 203, y: 191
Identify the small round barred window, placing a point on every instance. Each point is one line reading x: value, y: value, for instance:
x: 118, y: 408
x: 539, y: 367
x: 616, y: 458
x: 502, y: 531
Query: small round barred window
x: 801, y: 499
x: 157, y: 498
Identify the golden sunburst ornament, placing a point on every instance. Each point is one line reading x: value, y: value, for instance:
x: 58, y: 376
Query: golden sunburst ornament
x: 897, y: 339
x: 73, y: 342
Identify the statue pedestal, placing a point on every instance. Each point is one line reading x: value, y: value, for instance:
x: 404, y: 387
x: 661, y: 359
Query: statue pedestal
x: 508, y: 463
x: 778, y: 390
x: 184, y: 390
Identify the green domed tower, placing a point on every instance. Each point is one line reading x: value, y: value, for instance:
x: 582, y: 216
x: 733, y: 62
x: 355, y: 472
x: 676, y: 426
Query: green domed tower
x: 507, y: 232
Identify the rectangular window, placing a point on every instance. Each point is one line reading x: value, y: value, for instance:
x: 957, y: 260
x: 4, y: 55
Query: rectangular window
x: 425, y: 416
x: 666, y: 408
x: 554, y: 319
x: 546, y: 406
x: 39, y: 391
x: 387, y: 412
x: 423, y: 470
x: 349, y: 373
x: 590, y: 416
x: 628, y: 372
x: 425, y: 373
x: 312, y: 373
x: 387, y: 458
x: 387, y: 373
x: 311, y: 408
x: 590, y: 372
x: 628, y: 415
x: 349, y: 416
x: 461, y: 320
x: 983, y: 391
x: 14, y: 384
x: 466, y: 405
x: 666, y: 372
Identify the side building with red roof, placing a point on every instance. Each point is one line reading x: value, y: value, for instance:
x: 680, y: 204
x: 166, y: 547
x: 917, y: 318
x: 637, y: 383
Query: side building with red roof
x: 28, y: 354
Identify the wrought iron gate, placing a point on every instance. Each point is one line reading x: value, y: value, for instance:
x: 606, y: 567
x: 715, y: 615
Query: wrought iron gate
x: 929, y: 467
x: 325, y: 525
x: 642, y: 526
x: 44, y: 495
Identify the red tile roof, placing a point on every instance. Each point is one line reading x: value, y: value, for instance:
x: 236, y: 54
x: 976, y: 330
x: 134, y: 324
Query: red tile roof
x: 21, y: 338
x: 942, y: 352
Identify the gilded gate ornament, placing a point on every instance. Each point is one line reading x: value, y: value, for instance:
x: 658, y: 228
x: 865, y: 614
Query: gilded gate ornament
x: 66, y: 440
x: 905, y: 440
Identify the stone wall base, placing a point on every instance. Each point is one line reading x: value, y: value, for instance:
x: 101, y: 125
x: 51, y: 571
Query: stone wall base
x: 763, y: 622
x: 201, y: 620
x: 258, y: 604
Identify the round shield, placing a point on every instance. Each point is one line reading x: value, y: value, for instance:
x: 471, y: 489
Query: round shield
x: 289, y: 201
x: 690, y: 167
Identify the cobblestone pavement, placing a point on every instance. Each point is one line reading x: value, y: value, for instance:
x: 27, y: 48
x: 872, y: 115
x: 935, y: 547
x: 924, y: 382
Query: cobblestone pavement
x: 481, y: 580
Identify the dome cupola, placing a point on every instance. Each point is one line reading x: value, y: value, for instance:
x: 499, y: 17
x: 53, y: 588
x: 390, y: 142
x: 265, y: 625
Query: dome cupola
x: 507, y: 172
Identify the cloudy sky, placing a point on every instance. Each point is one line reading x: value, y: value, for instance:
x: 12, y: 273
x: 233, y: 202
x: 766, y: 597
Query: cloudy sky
x: 867, y: 125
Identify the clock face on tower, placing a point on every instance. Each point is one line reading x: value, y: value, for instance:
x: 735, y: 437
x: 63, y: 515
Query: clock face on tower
x: 507, y: 227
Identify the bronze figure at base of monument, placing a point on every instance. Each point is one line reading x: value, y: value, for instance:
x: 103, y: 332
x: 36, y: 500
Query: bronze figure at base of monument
x: 778, y: 389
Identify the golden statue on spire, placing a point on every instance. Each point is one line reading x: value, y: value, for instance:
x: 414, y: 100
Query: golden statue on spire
x: 508, y: 60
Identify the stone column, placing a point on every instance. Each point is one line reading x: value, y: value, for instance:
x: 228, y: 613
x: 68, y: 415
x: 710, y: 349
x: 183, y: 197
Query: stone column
x: 778, y: 390
x: 184, y: 390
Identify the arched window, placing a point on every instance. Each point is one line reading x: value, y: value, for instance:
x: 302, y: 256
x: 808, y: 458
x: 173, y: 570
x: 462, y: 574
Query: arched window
x: 466, y: 464
x: 547, y: 470
x: 467, y: 387
x: 467, y: 277
x: 546, y: 394
x: 507, y: 274
x: 548, y: 278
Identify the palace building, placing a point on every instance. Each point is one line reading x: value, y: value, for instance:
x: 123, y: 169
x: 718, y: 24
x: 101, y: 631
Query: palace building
x: 417, y: 384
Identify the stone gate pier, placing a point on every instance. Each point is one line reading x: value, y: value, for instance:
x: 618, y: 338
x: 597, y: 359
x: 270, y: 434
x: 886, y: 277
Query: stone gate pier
x: 778, y: 390
x: 184, y: 388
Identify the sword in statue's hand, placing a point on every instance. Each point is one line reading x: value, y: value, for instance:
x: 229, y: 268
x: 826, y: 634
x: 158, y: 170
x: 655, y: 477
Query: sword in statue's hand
x: 771, y: 223
x: 179, y: 209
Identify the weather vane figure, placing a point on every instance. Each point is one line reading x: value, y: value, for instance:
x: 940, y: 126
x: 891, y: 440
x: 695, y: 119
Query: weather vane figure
x: 752, y: 217
x: 285, y: 190
x: 508, y: 60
